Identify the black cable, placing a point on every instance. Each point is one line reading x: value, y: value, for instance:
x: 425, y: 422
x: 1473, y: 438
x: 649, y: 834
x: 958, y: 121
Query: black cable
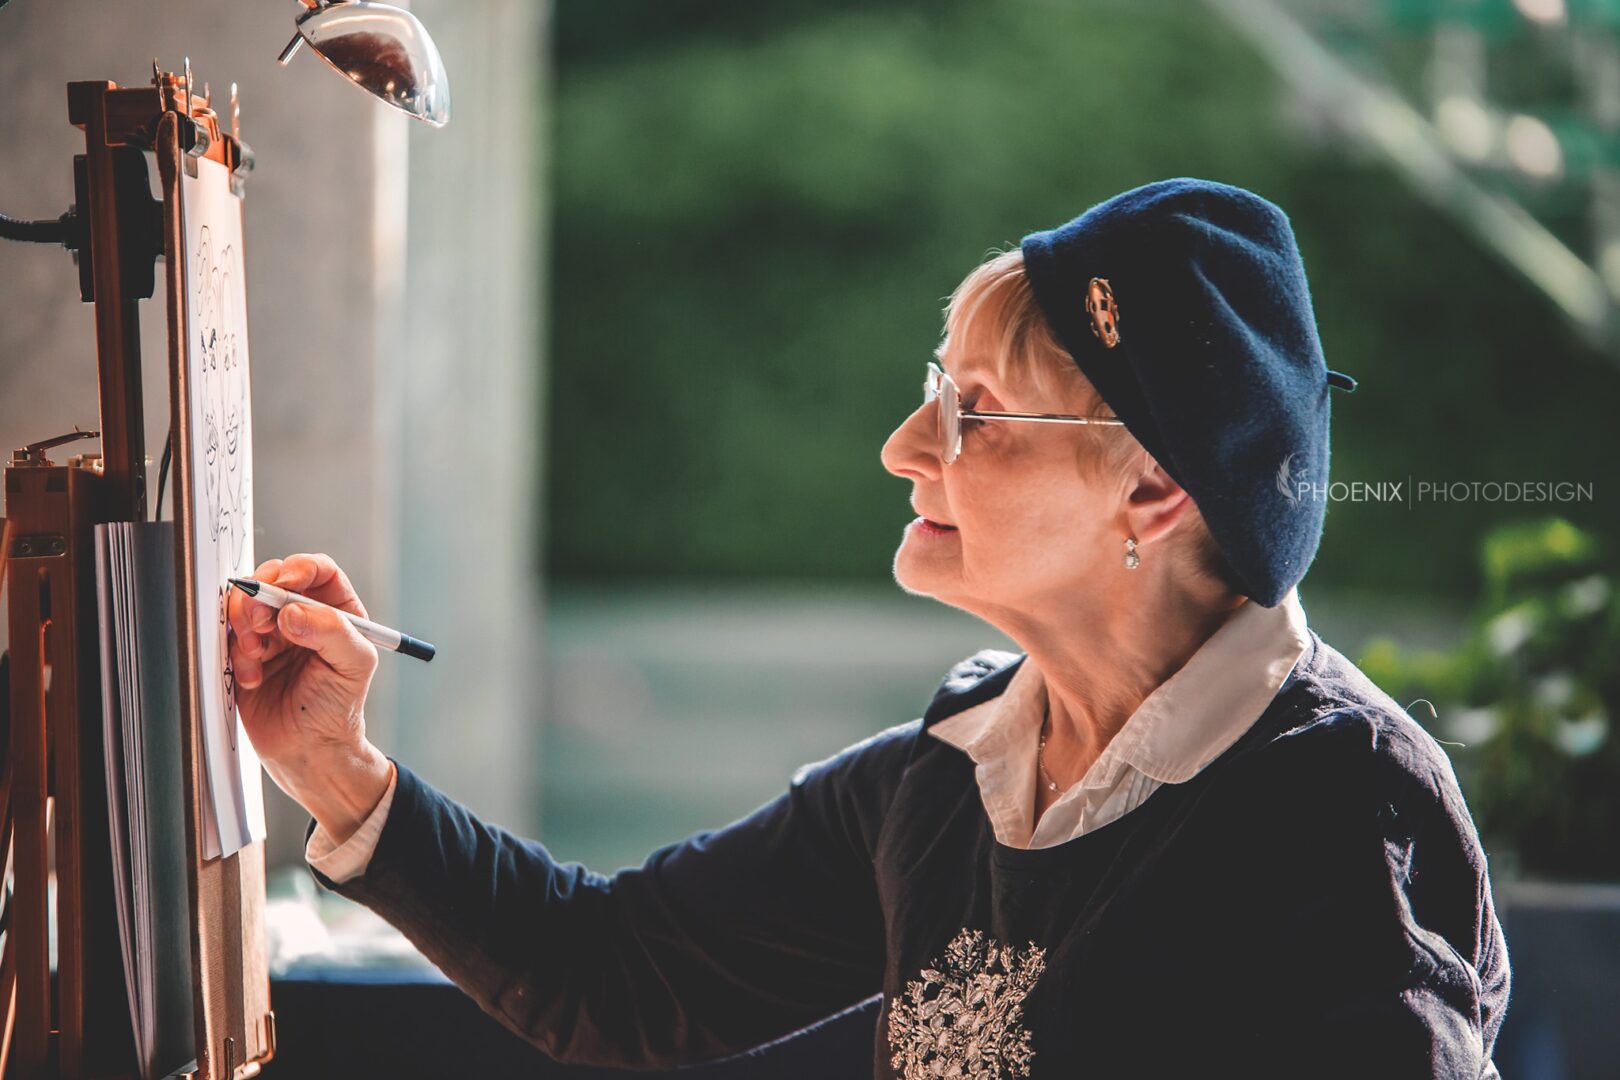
x: 163, y: 473
x: 56, y: 231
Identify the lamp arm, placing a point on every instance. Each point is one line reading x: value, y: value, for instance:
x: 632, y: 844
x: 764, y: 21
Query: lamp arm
x: 62, y: 230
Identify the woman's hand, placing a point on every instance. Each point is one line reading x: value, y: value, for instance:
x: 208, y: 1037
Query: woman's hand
x: 301, y: 680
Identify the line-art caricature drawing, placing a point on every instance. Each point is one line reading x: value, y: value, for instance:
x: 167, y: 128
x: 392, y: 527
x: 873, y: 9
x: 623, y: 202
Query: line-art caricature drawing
x: 219, y: 457
x: 223, y: 392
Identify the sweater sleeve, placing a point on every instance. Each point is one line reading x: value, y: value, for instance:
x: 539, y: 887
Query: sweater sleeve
x: 1384, y: 956
x: 715, y: 945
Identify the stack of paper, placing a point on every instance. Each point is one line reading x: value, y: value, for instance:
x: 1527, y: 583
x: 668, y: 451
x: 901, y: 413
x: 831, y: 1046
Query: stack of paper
x: 145, y: 759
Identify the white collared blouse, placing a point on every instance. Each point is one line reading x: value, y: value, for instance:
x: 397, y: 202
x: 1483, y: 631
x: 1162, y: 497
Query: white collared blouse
x: 1183, y: 725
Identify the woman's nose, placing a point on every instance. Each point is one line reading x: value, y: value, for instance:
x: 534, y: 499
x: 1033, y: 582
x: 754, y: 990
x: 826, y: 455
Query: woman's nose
x: 912, y: 451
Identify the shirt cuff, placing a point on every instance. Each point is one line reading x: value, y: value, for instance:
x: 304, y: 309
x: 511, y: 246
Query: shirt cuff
x: 348, y: 860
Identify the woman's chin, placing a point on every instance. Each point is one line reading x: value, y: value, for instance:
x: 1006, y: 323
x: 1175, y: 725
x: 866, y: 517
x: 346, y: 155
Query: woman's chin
x: 907, y: 587
x: 918, y: 574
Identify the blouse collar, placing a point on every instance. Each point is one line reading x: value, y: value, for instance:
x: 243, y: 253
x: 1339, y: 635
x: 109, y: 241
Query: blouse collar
x: 1185, y: 723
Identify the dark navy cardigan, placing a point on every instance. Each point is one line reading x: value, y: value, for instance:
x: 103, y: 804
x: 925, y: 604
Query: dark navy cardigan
x: 1315, y: 902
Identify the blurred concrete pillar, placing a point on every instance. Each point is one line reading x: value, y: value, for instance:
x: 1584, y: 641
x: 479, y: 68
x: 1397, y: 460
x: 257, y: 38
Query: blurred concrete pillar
x: 349, y: 445
x: 462, y: 401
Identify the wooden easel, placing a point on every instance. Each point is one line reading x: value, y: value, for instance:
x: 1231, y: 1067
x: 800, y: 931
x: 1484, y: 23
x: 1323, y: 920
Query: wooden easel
x: 53, y: 776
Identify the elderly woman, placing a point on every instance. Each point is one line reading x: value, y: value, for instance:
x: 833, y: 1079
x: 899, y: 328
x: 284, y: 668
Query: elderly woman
x: 1177, y: 835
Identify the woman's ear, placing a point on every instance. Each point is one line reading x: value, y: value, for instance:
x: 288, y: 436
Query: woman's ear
x: 1156, y: 506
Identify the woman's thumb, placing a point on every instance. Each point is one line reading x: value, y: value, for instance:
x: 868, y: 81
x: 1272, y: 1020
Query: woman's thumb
x: 330, y: 635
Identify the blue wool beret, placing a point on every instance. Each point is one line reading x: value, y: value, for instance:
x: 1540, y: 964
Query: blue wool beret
x: 1184, y: 302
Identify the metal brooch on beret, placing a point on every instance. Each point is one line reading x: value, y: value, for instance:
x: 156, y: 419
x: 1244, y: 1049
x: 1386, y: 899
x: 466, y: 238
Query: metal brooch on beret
x: 1104, y: 312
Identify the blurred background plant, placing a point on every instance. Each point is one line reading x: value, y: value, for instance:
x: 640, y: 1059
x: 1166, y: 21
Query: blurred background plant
x: 1526, y: 700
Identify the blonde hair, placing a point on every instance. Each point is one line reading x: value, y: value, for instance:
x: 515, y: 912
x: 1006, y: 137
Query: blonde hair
x: 995, y: 304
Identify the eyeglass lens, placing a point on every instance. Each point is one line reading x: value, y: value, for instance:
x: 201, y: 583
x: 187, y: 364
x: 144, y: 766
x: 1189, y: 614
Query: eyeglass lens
x: 948, y: 416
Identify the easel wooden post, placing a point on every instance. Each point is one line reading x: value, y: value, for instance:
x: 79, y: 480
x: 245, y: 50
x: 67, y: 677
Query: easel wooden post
x: 54, y: 765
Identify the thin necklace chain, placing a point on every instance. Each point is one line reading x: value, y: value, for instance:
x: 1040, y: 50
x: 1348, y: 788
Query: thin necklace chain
x: 1040, y: 752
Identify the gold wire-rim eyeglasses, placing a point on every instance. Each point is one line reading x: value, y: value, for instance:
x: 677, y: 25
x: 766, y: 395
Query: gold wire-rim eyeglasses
x: 939, y: 384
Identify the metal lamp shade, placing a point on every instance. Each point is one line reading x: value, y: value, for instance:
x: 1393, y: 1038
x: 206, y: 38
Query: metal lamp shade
x: 383, y: 48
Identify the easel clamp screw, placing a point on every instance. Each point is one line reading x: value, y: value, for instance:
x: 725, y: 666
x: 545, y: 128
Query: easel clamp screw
x: 41, y: 546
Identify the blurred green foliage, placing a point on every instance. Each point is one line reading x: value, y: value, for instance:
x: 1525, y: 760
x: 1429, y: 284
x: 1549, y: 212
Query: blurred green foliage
x: 1531, y: 694
x: 760, y: 209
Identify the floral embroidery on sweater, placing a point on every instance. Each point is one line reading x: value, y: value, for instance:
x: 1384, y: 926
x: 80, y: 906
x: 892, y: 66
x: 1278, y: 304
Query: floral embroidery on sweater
x: 964, y: 1017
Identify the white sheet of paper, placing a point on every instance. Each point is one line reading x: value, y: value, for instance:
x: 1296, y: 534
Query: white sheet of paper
x: 222, y: 492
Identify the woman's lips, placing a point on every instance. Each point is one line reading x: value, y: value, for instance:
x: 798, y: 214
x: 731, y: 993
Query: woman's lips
x: 933, y: 528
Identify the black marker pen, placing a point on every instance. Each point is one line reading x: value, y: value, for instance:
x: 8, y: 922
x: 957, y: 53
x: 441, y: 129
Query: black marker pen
x: 376, y: 633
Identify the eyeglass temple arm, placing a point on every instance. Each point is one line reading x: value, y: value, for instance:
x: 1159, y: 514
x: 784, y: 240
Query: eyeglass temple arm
x: 1042, y: 418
